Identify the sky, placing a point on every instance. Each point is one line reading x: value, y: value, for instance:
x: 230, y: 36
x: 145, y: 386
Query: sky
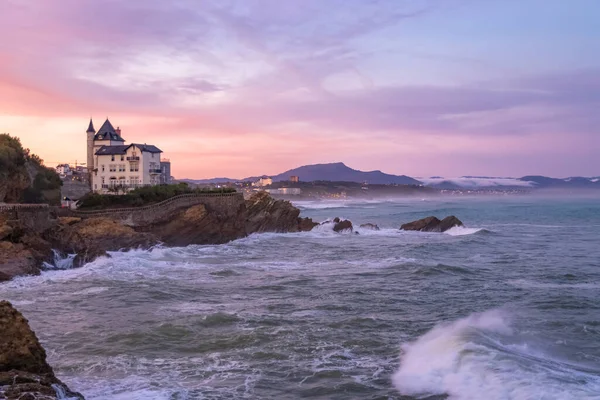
x: 242, y: 88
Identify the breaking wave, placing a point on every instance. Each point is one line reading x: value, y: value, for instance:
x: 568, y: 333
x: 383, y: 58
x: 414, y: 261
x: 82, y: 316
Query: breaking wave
x: 462, y: 231
x: 481, y: 356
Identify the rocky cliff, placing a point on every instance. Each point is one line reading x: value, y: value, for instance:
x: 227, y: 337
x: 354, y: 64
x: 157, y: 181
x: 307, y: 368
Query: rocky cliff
x: 24, y: 371
x: 26, y: 245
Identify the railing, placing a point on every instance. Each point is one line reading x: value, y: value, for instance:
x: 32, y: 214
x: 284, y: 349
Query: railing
x: 155, y: 205
x: 134, y: 158
x: 8, y: 207
x: 155, y: 171
x: 124, y: 186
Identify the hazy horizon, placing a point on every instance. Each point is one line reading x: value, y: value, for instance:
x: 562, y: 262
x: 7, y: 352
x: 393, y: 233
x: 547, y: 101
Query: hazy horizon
x: 243, y: 88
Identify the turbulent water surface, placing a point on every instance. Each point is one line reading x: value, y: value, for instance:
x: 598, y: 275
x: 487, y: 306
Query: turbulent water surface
x: 508, y: 308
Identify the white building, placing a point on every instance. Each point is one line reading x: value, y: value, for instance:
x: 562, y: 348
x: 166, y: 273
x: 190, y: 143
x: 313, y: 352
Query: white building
x: 264, y: 181
x: 285, y: 191
x: 115, y: 165
x: 63, y: 170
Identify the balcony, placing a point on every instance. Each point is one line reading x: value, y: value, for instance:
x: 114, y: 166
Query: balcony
x: 133, y: 158
x: 155, y: 171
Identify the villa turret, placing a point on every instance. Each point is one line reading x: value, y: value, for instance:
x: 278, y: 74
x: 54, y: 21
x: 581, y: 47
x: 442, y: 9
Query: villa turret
x: 90, y: 146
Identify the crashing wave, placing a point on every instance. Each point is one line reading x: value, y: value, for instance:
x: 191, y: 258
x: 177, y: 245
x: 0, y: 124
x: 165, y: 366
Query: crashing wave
x: 60, y: 262
x: 480, y: 356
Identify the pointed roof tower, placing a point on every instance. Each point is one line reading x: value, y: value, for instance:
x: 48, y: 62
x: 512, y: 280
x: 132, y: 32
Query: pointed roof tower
x: 108, y: 132
x: 91, y: 127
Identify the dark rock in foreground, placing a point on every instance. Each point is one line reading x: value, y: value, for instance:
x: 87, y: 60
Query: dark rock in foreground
x: 432, y: 224
x: 24, y: 372
x: 369, y: 226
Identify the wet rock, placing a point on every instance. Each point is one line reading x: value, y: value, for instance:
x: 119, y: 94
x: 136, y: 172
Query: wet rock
x: 342, y: 225
x: 265, y: 214
x: 369, y: 226
x: 306, y: 224
x: 24, y: 372
x: 449, y: 222
x: 432, y: 224
x: 16, y: 260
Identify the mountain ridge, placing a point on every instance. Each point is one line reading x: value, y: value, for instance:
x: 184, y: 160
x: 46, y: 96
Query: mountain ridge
x: 340, y: 172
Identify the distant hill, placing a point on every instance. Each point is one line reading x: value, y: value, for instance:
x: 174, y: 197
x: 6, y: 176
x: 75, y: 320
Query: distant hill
x: 340, y: 172
x: 336, y: 172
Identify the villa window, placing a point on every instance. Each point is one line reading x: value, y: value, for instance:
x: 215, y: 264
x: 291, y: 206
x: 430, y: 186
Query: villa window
x: 112, y: 168
x: 112, y: 158
x: 102, y: 168
x: 122, y: 158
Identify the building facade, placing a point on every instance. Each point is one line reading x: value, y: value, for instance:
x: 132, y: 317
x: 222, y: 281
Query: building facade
x: 117, y: 167
x: 264, y: 181
x: 165, y: 171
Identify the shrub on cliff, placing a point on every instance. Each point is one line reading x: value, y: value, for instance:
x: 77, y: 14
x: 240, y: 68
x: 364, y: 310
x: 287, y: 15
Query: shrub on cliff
x: 141, y: 196
x: 23, y: 176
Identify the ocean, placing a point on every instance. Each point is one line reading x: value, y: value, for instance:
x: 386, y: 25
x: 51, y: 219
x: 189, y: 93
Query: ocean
x: 506, y: 308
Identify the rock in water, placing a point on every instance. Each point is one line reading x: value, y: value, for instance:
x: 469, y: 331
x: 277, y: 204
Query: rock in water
x: 24, y: 372
x: 370, y: 226
x: 306, y: 224
x: 449, y: 222
x: 428, y: 224
x: 341, y: 226
x: 432, y: 224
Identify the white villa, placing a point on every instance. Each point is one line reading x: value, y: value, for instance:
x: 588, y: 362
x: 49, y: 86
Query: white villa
x: 115, y: 165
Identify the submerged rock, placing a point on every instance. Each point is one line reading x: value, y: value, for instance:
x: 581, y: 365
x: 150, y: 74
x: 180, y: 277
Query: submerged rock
x: 369, y: 226
x: 432, y: 224
x: 24, y: 372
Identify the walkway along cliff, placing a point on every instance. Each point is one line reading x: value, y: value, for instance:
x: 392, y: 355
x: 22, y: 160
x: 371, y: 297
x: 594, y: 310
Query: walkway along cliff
x: 28, y: 234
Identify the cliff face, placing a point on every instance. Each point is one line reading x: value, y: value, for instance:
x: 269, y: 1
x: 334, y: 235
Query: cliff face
x: 265, y: 214
x: 200, y: 224
x: 24, y: 372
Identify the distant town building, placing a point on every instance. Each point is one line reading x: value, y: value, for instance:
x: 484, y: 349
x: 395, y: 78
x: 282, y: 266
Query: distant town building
x: 264, y: 181
x: 285, y: 191
x: 115, y: 165
x: 63, y: 170
x: 165, y: 171
x: 80, y: 169
x: 294, y: 178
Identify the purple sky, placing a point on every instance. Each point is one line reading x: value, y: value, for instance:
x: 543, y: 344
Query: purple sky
x: 240, y: 88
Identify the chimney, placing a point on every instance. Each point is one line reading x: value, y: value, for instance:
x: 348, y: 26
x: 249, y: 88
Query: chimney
x: 118, y: 130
